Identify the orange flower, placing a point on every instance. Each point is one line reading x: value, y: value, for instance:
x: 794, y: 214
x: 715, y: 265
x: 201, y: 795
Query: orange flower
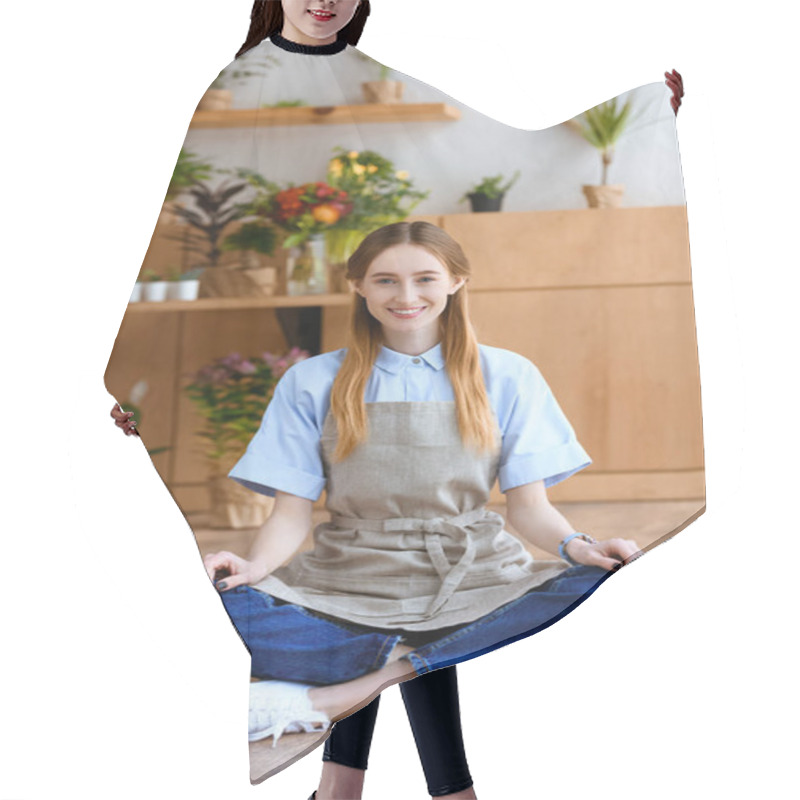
x: 326, y: 213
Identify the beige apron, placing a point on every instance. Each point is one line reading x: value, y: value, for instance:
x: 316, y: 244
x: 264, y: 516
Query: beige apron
x: 410, y: 543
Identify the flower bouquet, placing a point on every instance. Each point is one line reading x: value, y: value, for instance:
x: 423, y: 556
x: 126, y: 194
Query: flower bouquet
x: 304, y: 213
x: 378, y: 193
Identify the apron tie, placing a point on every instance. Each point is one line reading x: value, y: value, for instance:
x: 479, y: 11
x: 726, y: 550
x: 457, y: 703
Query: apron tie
x: 454, y: 528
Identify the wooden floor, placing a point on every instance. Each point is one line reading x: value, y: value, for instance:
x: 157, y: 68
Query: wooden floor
x: 648, y: 523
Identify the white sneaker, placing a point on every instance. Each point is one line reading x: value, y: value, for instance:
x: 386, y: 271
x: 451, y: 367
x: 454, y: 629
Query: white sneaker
x: 278, y: 707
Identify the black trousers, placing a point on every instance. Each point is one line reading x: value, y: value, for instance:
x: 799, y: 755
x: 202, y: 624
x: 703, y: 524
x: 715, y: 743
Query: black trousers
x: 431, y: 702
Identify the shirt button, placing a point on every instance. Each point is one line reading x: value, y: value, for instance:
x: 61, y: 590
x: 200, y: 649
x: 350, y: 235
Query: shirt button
x: 416, y: 360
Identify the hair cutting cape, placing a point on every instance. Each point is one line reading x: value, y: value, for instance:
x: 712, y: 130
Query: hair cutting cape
x: 581, y: 298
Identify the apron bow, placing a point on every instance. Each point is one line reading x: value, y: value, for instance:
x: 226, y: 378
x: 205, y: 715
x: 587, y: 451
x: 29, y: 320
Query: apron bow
x: 454, y: 529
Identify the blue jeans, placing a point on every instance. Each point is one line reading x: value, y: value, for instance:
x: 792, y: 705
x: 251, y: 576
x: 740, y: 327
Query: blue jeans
x: 291, y: 643
x: 529, y: 614
x: 288, y: 642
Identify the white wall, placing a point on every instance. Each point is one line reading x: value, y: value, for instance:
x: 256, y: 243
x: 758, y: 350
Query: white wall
x: 446, y: 158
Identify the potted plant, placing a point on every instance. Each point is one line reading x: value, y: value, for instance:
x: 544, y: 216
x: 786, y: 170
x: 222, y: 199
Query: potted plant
x: 253, y: 239
x: 189, y: 169
x: 154, y: 287
x: 230, y: 394
x: 380, y: 194
x: 304, y: 213
x: 183, y: 285
x: 487, y: 195
x: 218, y: 96
x: 212, y: 213
x: 602, y: 126
x: 382, y: 90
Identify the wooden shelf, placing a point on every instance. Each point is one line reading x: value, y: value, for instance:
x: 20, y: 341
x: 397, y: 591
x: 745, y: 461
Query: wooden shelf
x: 325, y: 115
x: 233, y: 303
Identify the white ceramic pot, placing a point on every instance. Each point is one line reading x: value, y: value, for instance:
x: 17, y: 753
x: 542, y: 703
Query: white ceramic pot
x: 183, y: 290
x: 154, y: 291
x: 136, y: 294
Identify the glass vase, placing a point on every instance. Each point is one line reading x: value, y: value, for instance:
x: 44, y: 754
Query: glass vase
x: 306, y: 267
x: 340, y: 245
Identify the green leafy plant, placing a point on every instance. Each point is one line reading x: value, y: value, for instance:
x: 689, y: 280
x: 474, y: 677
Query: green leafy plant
x: 491, y: 186
x: 383, y: 71
x: 298, y: 211
x: 602, y: 126
x: 150, y: 276
x: 189, y: 169
x: 174, y: 273
x: 213, y: 212
x: 255, y: 236
x: 379, y: 193
x: 242, y: 69
x: 231, y: 394
x: 285, y: 104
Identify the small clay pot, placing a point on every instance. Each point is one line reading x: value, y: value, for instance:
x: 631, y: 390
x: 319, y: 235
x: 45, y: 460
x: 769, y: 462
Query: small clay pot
x: 604, y: 196
x: 383, y: 91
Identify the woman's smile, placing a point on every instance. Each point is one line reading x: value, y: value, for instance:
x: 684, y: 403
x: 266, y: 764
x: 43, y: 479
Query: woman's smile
x: 322, y: 16
x: 407, y: 313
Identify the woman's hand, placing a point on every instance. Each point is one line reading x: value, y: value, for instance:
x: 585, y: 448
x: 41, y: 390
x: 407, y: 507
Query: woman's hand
x: 124, y: 420
x: 675, y: 83
x: 608, y: 554
x: 227, y: 570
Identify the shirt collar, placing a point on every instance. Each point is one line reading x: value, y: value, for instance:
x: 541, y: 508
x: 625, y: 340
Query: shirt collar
x: 308, y: 49
x: 394, y: 362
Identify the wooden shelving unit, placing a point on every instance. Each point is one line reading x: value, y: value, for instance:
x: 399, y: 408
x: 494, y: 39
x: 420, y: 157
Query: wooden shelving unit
x: 625, y: 372
x: 325, y: 115
x: 234, y: 303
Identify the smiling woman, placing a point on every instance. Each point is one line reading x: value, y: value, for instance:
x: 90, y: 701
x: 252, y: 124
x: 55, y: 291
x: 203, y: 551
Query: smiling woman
x: 406, y: 288
x: 314, y: 22
x: 317, y: 21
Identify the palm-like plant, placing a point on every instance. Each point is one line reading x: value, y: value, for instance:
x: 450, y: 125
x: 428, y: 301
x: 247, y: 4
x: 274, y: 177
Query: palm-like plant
x: 213, y: 214
x: 189, y: 169
x: 240, y: 70
x: 602, y: 126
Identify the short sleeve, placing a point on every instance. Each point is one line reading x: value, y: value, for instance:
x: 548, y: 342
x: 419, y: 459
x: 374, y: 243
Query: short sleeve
x: 285, y: 455
x: 538, y: 441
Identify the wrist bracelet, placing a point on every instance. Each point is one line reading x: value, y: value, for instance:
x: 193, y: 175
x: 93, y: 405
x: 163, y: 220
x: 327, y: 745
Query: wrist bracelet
x: 562, y: 548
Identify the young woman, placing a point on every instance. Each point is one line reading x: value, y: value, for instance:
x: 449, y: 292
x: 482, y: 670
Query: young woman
x: 407, y: 429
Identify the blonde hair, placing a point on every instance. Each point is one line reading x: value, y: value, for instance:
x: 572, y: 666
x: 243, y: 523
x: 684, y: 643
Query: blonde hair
x: 459, y: 344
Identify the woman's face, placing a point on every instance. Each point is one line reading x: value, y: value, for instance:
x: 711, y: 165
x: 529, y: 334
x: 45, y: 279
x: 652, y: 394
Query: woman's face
x: 406, y: 289
x: 316, y: 21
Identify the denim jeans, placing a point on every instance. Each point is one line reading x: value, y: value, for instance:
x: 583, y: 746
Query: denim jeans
x: 288, y: 642
x: 529, y: 614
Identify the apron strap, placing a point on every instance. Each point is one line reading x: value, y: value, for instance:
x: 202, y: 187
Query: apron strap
x: 452, y: 577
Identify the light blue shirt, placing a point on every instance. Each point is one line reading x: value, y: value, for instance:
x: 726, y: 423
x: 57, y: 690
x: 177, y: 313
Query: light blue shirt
x: 538, y: 442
